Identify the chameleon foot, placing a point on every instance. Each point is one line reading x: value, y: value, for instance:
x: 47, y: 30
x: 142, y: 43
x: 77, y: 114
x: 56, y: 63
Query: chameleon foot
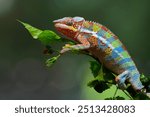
x: 65, y: 48
x: 120, y: 79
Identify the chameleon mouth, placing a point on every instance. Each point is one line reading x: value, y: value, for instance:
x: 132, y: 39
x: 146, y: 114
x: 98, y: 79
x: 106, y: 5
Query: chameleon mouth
x: 59, y: 25
x: 64, y: 26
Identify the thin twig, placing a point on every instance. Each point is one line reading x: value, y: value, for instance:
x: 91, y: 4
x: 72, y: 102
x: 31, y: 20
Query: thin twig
x: 115, y: 93
x: 127, y: 94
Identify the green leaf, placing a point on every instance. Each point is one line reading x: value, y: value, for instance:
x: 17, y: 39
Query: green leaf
x: 108, y: 75
x: 103, y: 78
x: 100, y: 76
x: 93, y: 83
x: 95, y: 67
x: 100, y: 72
x: 51, y: 61
x: 146, y: 82
x: 35, y: 32
x: 144, y: 79
x: 47, y: 37
x: 99, y: 86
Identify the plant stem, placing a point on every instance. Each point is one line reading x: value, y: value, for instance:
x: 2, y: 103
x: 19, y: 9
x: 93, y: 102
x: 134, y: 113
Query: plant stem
x: 115, y: 93
x: 127, y: 94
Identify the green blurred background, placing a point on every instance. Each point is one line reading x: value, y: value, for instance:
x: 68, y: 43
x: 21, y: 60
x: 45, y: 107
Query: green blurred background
x: 23, y: 74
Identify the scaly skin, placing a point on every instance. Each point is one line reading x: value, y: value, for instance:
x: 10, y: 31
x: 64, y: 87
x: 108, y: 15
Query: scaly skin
x: 103, y: 45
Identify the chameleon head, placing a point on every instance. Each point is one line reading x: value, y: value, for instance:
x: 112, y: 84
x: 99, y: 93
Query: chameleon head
x: 68, y: 26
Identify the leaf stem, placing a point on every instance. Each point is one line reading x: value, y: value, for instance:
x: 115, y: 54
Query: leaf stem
x: 115, y: 93
x: 127, y: 94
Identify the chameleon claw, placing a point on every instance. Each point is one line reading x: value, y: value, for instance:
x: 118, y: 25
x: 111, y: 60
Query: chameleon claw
x: 121, y: 84
x: 67, y: 46
x: 64, y: 50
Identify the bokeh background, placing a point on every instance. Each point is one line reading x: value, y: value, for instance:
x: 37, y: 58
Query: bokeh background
x: 23, y: 74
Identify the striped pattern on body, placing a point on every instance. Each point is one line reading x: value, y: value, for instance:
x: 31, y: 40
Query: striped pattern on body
x: 111, y: 45
x: 102, y: 44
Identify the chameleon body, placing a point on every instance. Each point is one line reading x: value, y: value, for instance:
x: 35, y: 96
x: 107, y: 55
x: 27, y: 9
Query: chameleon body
x: 104, y: 45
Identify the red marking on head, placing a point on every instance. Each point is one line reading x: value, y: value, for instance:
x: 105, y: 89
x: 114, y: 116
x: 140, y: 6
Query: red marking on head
x: 68, y: 26
x: 66, y: 31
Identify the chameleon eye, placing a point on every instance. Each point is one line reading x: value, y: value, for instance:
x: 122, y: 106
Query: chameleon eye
x: 69, y: 23
x: 78, y: 19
